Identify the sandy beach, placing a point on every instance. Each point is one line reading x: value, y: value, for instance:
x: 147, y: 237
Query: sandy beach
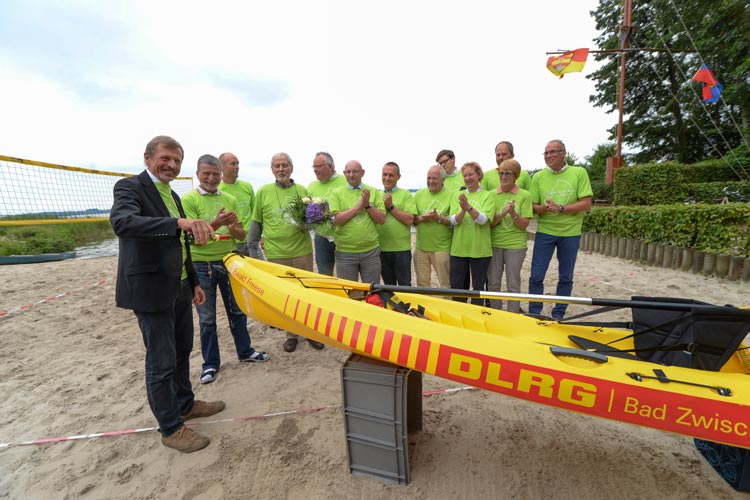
x: 74, y: 364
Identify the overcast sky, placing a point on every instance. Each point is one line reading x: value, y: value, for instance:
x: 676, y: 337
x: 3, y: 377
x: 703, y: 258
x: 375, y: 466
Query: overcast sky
x: 88, y: 82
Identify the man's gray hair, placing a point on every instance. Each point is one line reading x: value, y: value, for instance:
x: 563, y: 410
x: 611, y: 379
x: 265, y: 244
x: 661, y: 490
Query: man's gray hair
x: 328, y: 157
x: 209, y: 160
x: 282, y: 155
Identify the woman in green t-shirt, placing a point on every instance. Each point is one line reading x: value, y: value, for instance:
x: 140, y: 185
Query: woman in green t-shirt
x: 513, y: 212
x: 471, y: 210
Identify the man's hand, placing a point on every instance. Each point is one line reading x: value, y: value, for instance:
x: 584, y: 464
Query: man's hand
x: 388, y: 200
x: 224, y: 219
x: 200, y: 229
x: 199, y: 296
x: 365, y: 197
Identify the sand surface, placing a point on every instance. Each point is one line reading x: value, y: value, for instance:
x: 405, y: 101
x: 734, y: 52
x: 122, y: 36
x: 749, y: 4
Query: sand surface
x: 75, y: 365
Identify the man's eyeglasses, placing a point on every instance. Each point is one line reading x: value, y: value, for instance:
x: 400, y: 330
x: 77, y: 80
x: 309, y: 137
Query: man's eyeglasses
x: 553, y: 152
x: 351, y: 172
x: 442, y: 163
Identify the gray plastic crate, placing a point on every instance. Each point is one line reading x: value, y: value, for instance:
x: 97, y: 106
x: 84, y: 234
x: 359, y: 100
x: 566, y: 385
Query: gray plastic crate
x: 382, y: 407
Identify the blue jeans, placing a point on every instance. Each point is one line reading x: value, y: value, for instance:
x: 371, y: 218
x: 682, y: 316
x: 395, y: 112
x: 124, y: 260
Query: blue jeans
x: 168, y: 337
x: 395, y: 267
x: 211, y: 274
x: 324, y: 255
x: 567, y: 251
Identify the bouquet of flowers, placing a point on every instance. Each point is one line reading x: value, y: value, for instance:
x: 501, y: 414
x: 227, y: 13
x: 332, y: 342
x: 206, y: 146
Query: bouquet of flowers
x: 309, y: 213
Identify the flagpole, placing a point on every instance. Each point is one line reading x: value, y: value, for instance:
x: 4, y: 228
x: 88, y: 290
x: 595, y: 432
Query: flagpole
x: 615, y: 162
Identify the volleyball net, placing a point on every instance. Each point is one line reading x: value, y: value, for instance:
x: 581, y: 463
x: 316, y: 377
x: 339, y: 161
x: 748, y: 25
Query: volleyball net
x: 34, y: 192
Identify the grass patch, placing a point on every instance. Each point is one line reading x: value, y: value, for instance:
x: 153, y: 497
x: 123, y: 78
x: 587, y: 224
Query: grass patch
x: 53, y: 238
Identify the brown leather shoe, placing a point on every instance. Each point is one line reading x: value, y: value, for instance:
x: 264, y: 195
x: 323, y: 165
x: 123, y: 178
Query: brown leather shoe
x: 185, y: 440
x: 203, y: 409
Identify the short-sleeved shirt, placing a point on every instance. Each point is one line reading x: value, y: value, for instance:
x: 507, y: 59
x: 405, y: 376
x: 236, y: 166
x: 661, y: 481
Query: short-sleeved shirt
x: 471, y: 239
x: 244, y: 193
x: 431, y: 235
x: 283, y: 238
x: 394, y: 235
x: 359, y: 233
x: 506, y: 234
x: 206, y: 207
x: 454, y: 181
x: 564, y: 187
x: 323, y: 190
x: 491, y: 180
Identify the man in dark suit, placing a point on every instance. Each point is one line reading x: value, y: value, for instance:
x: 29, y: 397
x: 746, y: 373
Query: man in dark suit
x: 155, y: 278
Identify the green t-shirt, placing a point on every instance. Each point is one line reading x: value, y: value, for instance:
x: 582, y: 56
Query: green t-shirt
x: 469, y: 238
x: 564, y: 187
x: 431, y: 235
x: 506, y: 234
x: 283, y: 238
x: 206, y: 207
x: 358, y: 234
x: 491, y: 180
x: 395, y: 236
x: 323, y: 190
x: 455, y: 181
x: 244, y: 193
x: 166, y: 195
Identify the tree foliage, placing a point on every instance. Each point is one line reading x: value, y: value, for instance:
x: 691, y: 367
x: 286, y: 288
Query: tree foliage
x: 665, y: 117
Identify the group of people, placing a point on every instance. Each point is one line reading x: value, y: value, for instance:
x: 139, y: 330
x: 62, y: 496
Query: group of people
x: 470, y: 228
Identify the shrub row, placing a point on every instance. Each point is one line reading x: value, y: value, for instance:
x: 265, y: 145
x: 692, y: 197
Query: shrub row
x: 710, y: 228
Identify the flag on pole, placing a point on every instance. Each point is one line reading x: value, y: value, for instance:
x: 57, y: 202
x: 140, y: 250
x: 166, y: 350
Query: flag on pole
x: 711, y: 86
x: 572, y: 61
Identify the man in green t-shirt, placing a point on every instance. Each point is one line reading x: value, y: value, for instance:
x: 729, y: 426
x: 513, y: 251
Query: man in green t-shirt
x: 454, y: 180
x: 285, y: 242
x: 395, y: 234
x: 241, y: 190
x: 491, y: 179
x: 327, y: 180
x: 219, y: 209
x: 434, y: 230
x: 357, y: 209
x: 561, y: 194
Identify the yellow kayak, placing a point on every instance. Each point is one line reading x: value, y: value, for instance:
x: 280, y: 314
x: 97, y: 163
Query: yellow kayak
x: 589, y: 369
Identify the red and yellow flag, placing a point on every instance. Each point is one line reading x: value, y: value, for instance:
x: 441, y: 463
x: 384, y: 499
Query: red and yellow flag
x: 572, y: 61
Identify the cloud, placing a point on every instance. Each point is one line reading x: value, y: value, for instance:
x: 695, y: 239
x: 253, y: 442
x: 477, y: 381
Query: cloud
x: 254, y: 91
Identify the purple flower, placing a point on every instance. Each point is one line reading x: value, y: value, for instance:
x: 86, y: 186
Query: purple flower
x: 314, y: 213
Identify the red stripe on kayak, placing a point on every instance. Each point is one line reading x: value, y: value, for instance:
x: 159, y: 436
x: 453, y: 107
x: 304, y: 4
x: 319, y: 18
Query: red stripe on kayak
x: 317, y: 319
x: 296, y: 308
x: 403, y: 350
x: 307, y: 312
x: 369, y: 344
x: 355, y: 334
x: 423, y: 354
x: 286, y: 302
x: 342, y: 325
x: 328, y: 324
x: 385, y: 352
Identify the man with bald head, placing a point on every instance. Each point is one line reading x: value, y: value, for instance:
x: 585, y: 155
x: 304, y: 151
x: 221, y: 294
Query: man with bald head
x: 241, y: 190
x: 327, y: 180
x: 491, y: 180
x: 357, y: 209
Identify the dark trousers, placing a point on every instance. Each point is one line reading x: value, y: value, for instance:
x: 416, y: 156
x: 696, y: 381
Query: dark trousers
x: 168, y: 337
x: 395, y: 268
x: 464, y: 267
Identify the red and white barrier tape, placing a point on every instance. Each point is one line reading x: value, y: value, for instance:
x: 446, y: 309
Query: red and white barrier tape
x: 236, y: 419
x: 16, y: 310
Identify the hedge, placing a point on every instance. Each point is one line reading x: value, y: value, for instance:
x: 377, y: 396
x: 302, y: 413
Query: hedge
x: 712, y: 228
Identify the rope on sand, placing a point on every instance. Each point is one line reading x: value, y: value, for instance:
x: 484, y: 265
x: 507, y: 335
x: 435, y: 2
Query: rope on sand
x: 16, y: 310
x: 195, y: 424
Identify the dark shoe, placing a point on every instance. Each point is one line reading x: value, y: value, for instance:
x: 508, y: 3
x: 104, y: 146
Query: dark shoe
x: 291, y: 344
x: 185, y: 440
x: 316, y: 345
x: 209, y: 375
x: 203, y: 409
x: 256, y: 357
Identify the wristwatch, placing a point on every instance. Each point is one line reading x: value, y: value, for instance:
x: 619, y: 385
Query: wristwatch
x: 391, y: 207
x: 562, y: 208
x: 368, y: 206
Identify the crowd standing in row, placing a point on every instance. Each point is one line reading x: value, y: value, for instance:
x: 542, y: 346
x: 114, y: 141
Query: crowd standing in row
x: 470, y: 229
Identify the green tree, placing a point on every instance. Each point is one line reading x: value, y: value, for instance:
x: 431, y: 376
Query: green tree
x: 665, y: 118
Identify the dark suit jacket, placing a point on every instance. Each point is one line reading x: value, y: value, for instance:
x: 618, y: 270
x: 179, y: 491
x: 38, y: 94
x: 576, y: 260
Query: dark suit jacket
x: 150, y: 263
